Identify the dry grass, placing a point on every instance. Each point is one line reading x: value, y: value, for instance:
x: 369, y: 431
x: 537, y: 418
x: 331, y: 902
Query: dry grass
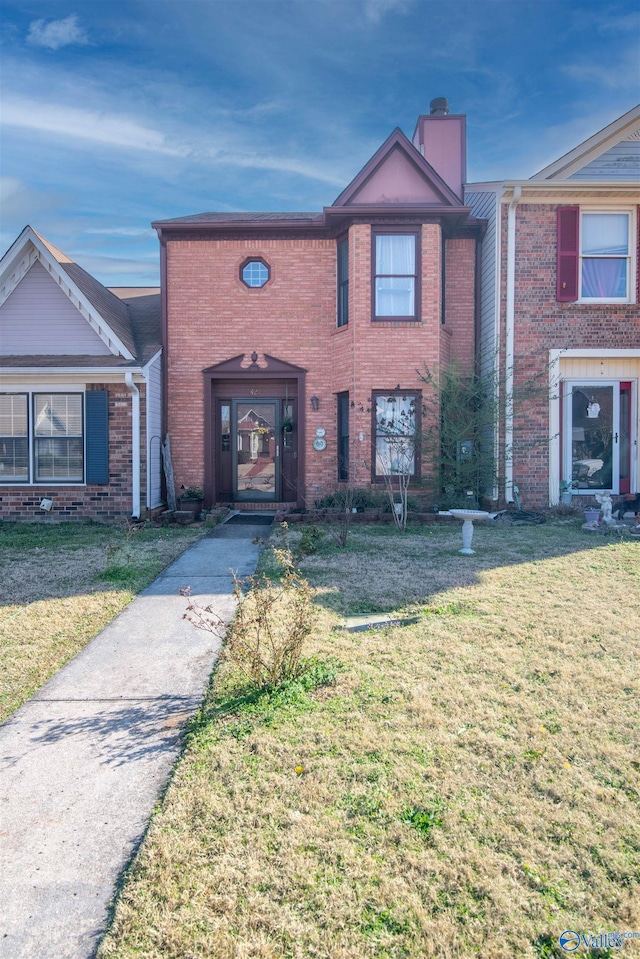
x: 60, y: 584
x: 468, y: 786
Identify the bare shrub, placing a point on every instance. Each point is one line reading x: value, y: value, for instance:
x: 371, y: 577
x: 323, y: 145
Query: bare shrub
x: 272, y: 621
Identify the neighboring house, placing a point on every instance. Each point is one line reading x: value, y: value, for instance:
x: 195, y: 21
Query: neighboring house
x: 80, y: 390
x: 292, y: 342
x: 560, y: 307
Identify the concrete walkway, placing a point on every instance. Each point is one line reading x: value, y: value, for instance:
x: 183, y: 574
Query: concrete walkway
x: 83, y: 762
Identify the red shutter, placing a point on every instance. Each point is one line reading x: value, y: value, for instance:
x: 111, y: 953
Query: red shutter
x: 567, y: 276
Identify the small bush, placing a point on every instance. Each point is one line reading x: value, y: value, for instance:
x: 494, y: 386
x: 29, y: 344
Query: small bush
x: 272, y: 621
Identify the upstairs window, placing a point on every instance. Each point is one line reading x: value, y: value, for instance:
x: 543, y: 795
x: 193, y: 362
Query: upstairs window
x: 595, y: 256
x: 604, y: 256
x: 255, y: 273
x: 395, y: 280
x: 343, y: 282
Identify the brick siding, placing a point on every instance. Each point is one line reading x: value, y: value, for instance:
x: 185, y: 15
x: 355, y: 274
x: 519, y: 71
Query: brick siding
x: 101, y: 503
x: 213, y: 316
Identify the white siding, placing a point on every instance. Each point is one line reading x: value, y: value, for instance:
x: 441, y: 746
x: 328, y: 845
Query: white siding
x: 621, y: 162
x: 154, y: 427
x: 39, y: 319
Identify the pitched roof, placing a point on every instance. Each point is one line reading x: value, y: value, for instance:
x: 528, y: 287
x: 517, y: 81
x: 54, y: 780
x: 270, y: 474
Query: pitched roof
x: 625, y: 127
x: 427, y: 185
x: 129, y: 324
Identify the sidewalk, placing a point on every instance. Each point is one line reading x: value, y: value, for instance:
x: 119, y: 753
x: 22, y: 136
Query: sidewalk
x: 84, y: 760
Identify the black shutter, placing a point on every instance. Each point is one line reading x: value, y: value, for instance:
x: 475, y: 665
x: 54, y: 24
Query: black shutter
x: 97, y: 436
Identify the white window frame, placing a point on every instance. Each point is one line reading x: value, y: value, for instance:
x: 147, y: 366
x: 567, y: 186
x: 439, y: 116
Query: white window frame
x: 630, y: 213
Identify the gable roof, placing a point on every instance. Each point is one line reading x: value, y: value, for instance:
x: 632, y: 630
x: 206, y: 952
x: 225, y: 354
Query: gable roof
x: 128, y: 325
x: 626, y: 127
x: 398, y: 166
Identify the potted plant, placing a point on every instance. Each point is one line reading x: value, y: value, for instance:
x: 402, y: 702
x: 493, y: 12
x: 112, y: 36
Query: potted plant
x: 566, y: 491
x: 191, y: 499
x: 592, y: 514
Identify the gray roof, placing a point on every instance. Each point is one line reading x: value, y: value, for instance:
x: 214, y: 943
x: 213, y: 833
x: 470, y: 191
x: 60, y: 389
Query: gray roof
x: 68, y: 361
x: 238, y: 218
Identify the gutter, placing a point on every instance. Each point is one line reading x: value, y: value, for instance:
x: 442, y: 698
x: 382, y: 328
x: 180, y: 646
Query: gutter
x: 135, y: 445
x: 509, y: 344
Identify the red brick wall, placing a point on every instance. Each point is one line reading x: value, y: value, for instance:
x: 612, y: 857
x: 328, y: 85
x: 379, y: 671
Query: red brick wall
x: 212, y: 317
x: 541, y: 324
x: 93, y: 502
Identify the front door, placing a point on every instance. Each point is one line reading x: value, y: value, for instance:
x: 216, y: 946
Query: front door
x: 255, y: 448
x: 597, y: 436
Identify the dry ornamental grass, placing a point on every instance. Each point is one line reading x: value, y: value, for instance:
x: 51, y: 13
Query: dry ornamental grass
x: 465, y: 785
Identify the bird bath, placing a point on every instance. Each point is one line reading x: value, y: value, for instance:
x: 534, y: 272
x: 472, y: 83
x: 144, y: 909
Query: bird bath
x: 467, y: 516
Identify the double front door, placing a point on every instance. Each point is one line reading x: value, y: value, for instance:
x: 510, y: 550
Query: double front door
x: 256, y: 449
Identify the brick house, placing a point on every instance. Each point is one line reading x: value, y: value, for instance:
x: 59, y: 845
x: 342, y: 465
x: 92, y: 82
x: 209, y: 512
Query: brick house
x: 292, y: 341
x: 560, y: 307
x: 80, y: 390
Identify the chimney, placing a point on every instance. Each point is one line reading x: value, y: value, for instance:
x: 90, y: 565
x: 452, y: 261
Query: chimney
x: 441, y: 139
x: 439, y: 107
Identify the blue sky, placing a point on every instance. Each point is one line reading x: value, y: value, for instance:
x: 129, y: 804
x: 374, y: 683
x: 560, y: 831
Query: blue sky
x: 119, y: 112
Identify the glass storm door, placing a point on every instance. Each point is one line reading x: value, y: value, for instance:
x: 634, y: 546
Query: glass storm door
x: 597, y: 436
x: 255, y: 448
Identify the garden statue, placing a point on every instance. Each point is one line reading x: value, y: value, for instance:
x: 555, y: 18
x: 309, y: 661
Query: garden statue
x: 606, y: 507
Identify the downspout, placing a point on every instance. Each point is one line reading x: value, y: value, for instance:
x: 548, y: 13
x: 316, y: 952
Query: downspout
x: 509, y: 344
x: 135, y: 445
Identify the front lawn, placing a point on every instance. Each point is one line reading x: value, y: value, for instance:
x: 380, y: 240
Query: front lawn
x: 61, y: 583
x: 463, y: 785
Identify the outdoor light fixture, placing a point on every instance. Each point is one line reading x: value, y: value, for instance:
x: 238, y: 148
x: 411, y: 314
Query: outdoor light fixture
x: 315, y: 403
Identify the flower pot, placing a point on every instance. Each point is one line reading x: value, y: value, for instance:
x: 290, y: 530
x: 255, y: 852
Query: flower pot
x: 591, y: 515
x: 191, y: 505
x: 566, y: 497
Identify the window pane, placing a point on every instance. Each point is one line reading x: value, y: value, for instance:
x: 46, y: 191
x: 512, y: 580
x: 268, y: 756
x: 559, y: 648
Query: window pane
x: 59, y: 459
x: 255, y: 274
x: 604, y: 278
x: 591, y: 435
x: 394, y: 454
x: 58, y: 414
x: 395, y: 296
x: 13, y: 415
x: 396, y: 255
x: 605, y: 234
x: 396, y: 415
x: 14, y: 443
x: 14, y: 458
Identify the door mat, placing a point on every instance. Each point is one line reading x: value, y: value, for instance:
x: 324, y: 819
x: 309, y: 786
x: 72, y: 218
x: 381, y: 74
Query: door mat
x: 251, y: 519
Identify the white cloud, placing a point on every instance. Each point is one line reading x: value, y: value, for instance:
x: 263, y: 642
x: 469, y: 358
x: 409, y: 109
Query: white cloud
x: 127, y: 134
x: 57, y: 33
x: 97, y: 127
x: 375, y: 10
x: 120, y: 231
x: 623, y: 74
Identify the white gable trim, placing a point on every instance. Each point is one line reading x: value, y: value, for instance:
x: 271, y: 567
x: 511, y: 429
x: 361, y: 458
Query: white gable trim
x: 18, y: 261
x: 621, y: 129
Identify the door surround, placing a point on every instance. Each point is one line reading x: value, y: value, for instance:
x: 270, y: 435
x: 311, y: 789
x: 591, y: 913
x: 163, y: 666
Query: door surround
x: 244, y: 370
